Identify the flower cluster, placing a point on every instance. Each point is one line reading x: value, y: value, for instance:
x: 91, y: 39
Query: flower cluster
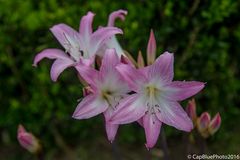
x: 205, y: 126
x: 123, y: 90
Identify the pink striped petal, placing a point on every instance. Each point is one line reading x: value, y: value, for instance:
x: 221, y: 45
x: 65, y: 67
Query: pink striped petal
x: 85, y: 28
x: 129, y: 110
x: 100, y: 36
x: 86, y: 61
x: 134, y: 77
x: 179, y: 91
x: 162, y: 68
x: 65, y: 35
x: 88, y: 74
x: 117, y: 14
x: 89, y: 107
x: 140, y: 122
x: 111, y: 130
x: 109, y: 61
x: 58, y: 66
x: 50, y: 54
x: 152, y: 128
x: 171, y: 113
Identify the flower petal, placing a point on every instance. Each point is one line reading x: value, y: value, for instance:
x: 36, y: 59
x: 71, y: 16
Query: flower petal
x: 162, y: 68
x: 100, y: 36
x: 129, y: 110
x: 134, y: 77
x: 69, y: 39
x: 50, y: 54
x: 140, y: 122
x: 109, y: 61
x: 152, y: 128
x: 64, y: 34
x: 179, y: 91
x: 117, y: 14
x: 173, y: 114
x: 85, y: 28
x: 89, y: 107
x: 111, y: 130
x: 58, y: 66
x: 88, y: 74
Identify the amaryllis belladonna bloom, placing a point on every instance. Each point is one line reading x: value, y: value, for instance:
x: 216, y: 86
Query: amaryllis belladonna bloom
x: 107, y: 87
x: 81, y: 46
x: 28, y: 140
x: 156, y: 97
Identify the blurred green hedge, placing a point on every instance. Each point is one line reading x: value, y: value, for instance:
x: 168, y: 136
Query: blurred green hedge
x: 204, y: 35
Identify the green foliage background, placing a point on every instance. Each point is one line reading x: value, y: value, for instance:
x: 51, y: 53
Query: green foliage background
x: 204, y: 35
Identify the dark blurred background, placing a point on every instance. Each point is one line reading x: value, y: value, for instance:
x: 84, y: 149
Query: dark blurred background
x: 204, y: 36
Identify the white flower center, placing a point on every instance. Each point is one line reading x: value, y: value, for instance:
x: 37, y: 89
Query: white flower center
x: 152, y: 93
x: 111, y: 97
x: 72, y: 46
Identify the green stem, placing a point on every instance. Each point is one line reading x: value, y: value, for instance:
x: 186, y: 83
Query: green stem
x: 164, y: 144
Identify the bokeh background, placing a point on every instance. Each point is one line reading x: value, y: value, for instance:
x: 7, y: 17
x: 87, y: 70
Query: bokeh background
x: 203, y: 34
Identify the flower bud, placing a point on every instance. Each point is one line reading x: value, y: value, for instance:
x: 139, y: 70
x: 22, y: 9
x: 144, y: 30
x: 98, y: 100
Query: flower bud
x: 140, y: 60
x: 126, y: 60
x: 87, y: 90
x: 151, y: 48
x: 191, y: 110
x: 202, y: 124
x: 214, y: 124
x: 28, y: 140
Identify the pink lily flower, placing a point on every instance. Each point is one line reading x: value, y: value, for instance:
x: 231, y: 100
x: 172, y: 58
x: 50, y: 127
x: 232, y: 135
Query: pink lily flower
x: 108, y: 87
x: 156, y: 97
x: 81, y: 46
x: 28, y: 140
x: 113, y: 42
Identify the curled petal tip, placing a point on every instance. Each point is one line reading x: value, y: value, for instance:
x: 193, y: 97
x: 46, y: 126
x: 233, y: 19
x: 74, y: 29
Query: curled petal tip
x: 117, y: 14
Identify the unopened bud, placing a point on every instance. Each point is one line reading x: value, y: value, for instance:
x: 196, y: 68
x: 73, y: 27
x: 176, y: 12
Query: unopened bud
x: 28, y: 140
x: 140, y: 60
x: 87, y: 90
x: 191, y: 110
x: 151, y: 48
x: 214, y: 124
x: 202, y: 124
